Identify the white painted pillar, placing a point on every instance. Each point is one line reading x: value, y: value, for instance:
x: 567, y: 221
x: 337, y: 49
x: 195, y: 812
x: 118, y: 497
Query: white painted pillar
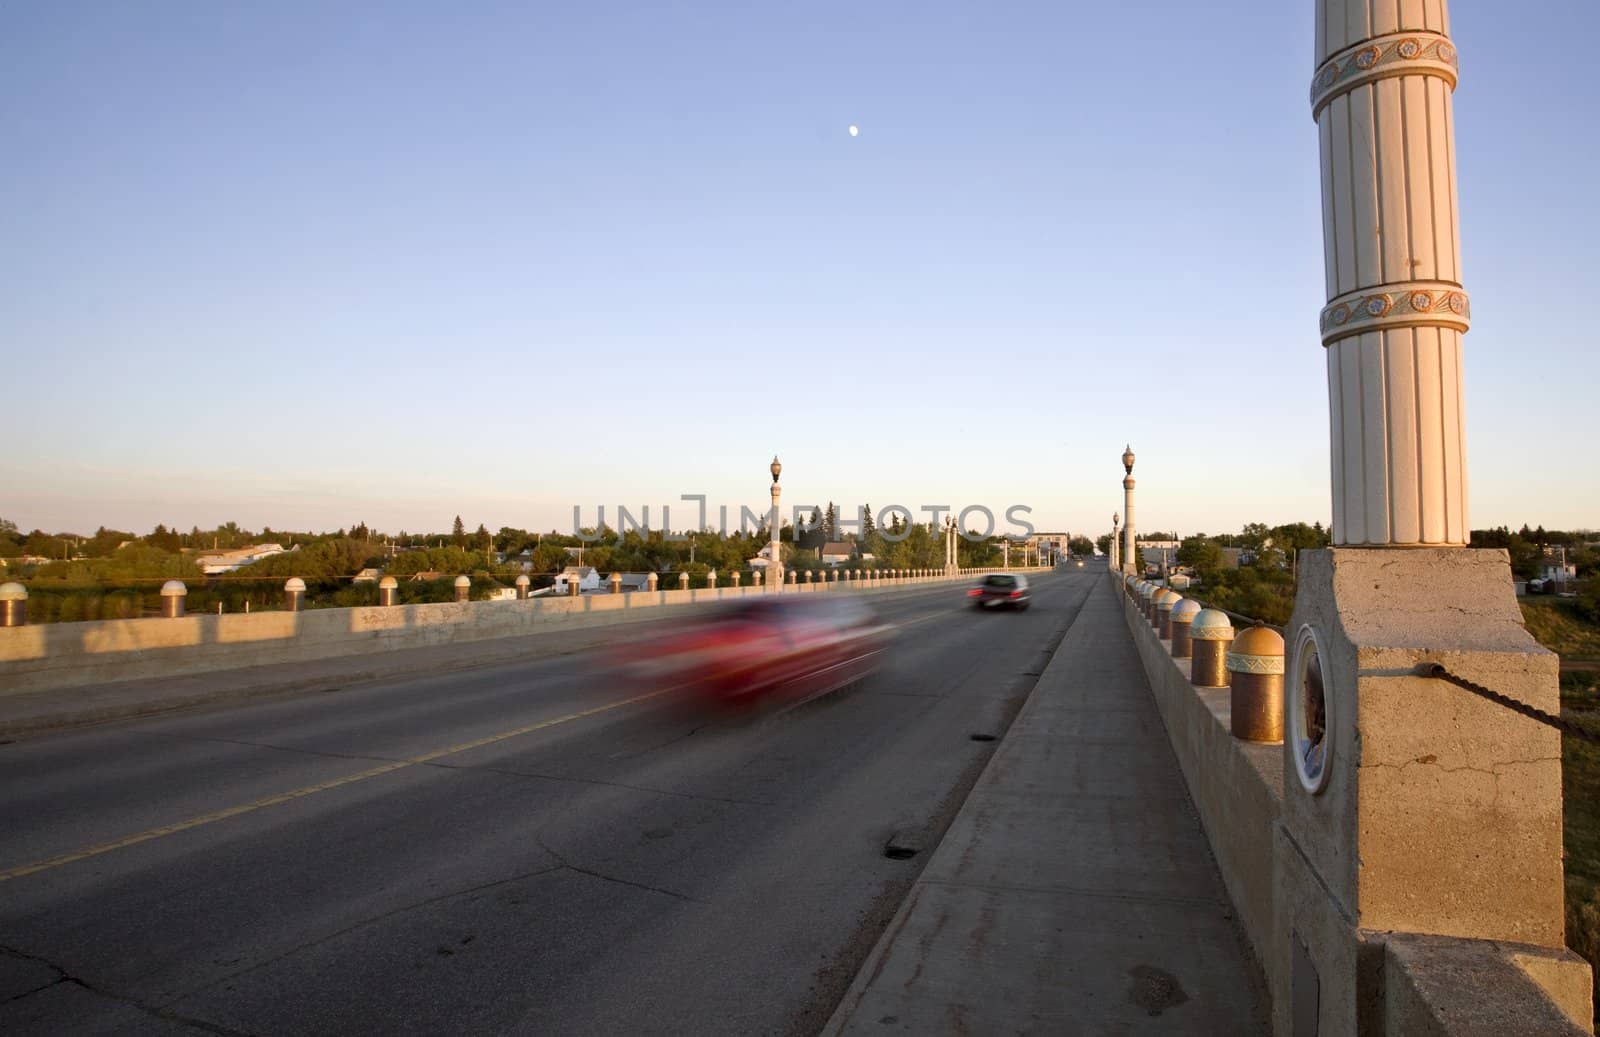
x: 1396, y: 311
x: 1130, y: 548
x: 775, y: 564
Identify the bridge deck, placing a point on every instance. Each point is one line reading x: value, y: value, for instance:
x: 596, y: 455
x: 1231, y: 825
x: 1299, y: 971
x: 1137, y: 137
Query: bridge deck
x: 1075, y: 891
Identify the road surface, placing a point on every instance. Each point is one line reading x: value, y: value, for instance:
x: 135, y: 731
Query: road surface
x: 513, y: 849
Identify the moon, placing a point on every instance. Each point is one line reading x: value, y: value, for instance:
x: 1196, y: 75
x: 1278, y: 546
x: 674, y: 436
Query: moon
x: 854, y: 130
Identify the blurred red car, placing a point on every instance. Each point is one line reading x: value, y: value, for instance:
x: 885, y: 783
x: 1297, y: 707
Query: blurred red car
x: 770, y: 648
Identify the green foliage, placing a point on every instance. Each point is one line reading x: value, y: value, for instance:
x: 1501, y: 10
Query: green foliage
x: 1103, y: 543
x: 1082, y: 546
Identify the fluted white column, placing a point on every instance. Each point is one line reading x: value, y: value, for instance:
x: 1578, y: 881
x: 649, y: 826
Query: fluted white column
x: 1130, y: 552
x: 1396, y: 309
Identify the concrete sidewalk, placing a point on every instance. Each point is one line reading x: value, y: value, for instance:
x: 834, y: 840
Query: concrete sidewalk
x: 1075, y: 892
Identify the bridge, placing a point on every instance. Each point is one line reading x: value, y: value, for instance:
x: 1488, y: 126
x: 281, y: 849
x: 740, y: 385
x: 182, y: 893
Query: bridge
x: 424, y: 818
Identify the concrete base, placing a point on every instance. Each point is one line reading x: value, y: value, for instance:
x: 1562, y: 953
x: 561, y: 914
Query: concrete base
x: 1442, y: 811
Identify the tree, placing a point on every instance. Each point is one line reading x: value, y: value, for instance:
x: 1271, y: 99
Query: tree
x: 1202, y: 554
x: 1103, y: 543
x: 458, y: 533
x: 1081, y: 545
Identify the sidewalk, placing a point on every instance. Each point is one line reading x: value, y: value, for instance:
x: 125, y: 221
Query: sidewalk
x: 1075, y: 892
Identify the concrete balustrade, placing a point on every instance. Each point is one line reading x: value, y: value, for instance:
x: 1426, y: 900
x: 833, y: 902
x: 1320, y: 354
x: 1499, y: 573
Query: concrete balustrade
x: 1182, y: 617
x: 388, y: 591
x: 1164, y: 605
x: 1255, y: 674
x: 294, y: 594
x: 523, y: 583
x: 616, y: 583
x: 173, y: 595
x: 711, y: 579
x: 652, y: 582
x: 683, y: 581
x: 463, y: 587
x: 13, y: 605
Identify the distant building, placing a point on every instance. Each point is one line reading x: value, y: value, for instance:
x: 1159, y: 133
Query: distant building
x: 228, y: 561
x: 587, y: 578
x: 367, y: 576
x: 838, y: 553
x: 1555, y: 569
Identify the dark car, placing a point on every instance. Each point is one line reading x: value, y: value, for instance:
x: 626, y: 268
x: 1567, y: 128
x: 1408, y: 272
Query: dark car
x: 1000, y: 591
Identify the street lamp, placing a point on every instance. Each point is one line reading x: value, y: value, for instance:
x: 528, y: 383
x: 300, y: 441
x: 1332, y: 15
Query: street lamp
x: 1116, y: 531
x: 1130, y: 553
x: 775, y: 563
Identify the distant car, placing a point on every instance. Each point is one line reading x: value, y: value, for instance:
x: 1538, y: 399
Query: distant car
x: 1080, y: 563
x: 1000, y: 590
x: 788, y: 648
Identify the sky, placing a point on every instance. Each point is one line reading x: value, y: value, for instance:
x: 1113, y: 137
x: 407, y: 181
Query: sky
x: 307, y: 264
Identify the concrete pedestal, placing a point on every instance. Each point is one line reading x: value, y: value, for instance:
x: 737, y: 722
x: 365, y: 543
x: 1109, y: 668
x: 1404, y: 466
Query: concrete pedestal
x: 1438, y: 812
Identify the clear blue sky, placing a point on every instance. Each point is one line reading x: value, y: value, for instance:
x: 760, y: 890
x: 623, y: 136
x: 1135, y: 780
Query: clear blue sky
x: 304, y: 264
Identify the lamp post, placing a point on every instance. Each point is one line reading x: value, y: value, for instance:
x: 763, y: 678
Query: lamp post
x: 1130, y: 553
x: 1116, y: 526
x: 775, y: 563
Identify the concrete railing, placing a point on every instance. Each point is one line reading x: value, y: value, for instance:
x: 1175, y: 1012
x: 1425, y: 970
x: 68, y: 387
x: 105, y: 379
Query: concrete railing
x: 70, y: 655
x: 1431, y: 985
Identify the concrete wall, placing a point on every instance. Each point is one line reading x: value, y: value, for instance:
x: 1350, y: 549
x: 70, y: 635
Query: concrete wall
x: 69, y: 655
x: 1416, y: 984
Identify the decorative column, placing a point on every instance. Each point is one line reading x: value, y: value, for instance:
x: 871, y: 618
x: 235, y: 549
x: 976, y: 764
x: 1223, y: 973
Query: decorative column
x: 775, y: 563
x: 1416, y: 815
x: 1396, y: 310
x: 1130, y: 551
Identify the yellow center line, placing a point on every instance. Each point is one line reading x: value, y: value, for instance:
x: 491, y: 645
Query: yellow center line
x: 285, y: 797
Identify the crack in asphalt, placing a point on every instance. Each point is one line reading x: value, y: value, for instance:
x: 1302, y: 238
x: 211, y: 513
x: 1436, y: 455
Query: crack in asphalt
x: 375, y: 919
x: 158, y: 1011
x: 539, y: 838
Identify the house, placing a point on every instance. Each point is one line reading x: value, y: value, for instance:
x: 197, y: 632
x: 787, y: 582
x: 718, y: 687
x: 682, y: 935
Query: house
x: 838, y: 553
x: 427, y: 576
x: 1555, y: 569
x: 367, y: 576
x: 587, y: 578
x: 762, y: 559
x: 227, y: 561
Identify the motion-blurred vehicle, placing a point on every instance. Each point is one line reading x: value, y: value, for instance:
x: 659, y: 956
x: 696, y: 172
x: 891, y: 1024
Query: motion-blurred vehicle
x: 1079, y: 562
x: 770, y: 649
x: 1000, y: 590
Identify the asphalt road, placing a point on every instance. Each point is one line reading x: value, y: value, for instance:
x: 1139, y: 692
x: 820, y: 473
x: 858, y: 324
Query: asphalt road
x: 513, y: 849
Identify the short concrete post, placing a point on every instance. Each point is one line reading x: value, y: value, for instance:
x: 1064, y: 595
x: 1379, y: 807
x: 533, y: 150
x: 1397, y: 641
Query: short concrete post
x: 1210, y: 634
x: 388, y: 591
x: 1164, y: 604
x: 683, y: 581
x: 616, y: 583
x: 652, y: 582
x: 13, y: 605
x: 1183, y: 614
x: 294, y: 594
x: 1255, y: 664
x: 736, y: 574
x: 463, y: 588
x: 574, y: 586
x: 793, y: 579
x: 522, y: 587
x: 755, y: 577
x: 809, y: 575
x: 711, y: 578
x: 173, y: 593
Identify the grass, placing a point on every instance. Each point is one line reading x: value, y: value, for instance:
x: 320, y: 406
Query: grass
x: 1559, y: 627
